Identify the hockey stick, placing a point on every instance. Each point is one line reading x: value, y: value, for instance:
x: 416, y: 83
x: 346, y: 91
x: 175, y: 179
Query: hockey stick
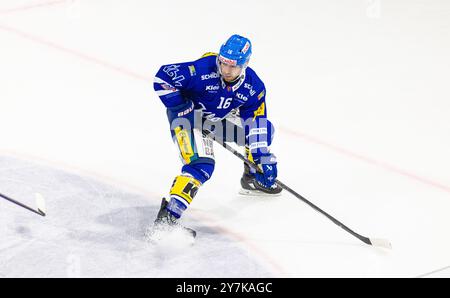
x: 370, y: 241
x: 39, y: 201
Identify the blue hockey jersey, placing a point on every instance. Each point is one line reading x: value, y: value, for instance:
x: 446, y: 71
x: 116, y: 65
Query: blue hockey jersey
x: 200, y: 82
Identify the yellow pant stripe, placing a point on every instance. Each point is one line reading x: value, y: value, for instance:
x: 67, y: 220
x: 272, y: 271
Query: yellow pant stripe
x: 184, y: 143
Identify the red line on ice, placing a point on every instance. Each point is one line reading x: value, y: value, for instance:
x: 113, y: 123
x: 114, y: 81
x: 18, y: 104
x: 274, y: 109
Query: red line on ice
x: 32, y: 6
x: 366, y: 159
x: 74, y: 53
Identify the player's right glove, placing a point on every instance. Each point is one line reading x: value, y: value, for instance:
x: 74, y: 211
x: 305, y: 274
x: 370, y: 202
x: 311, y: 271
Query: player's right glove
x: 182, y: 115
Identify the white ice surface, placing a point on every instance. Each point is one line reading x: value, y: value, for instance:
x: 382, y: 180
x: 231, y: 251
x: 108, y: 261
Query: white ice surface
x: 95, y: 230
x: 357, y: 90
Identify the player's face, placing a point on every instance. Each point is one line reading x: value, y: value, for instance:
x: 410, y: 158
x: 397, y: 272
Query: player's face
x: 230, y: 72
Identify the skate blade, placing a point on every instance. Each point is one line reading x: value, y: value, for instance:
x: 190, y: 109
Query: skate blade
x: 257, y: 193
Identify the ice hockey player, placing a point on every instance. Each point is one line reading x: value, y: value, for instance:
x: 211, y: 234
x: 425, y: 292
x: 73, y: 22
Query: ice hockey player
x: 211, y: 93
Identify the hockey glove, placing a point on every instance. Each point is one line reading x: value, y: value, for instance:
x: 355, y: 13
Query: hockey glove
x: 268, y: 164
x: 182, y: 115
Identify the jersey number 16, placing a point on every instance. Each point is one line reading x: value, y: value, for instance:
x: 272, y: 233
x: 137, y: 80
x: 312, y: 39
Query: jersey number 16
x: 224, y: 103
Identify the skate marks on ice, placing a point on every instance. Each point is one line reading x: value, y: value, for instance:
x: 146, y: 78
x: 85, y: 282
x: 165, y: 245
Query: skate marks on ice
x: 97, y: 230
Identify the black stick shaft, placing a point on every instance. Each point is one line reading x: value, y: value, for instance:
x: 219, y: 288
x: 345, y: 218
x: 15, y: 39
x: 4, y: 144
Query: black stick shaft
x: 20, y: 204
x: 287, y: 188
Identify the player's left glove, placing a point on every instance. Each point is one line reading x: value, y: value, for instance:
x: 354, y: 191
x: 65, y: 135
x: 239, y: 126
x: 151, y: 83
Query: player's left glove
x: 268, y: 164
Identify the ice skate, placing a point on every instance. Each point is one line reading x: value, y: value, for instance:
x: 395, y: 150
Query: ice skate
x: 166, y: 223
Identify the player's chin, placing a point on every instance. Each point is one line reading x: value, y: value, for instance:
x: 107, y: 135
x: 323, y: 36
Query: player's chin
x: 229, y: 78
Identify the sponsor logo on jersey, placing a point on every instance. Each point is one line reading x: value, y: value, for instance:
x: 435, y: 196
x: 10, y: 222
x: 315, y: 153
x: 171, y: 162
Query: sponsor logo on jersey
x: 166, y: 86
x: 260, y: 95
x: 250, y: 87
x: 213, y: 75
x: 260, y: 111
x: 172, y: 71
x: 241, y: 96
x: 212, y: 88
x: 192, y: 70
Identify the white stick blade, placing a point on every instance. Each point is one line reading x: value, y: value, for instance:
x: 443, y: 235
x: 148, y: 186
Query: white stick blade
x: 381, y: 243
x: 40, y: 202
